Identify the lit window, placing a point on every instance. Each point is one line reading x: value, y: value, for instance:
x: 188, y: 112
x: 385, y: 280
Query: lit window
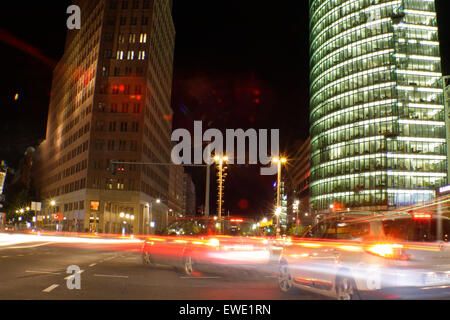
x: 141, y: 55
x: 119, y: 55
x: 143, y: 38
x: 130, y: 55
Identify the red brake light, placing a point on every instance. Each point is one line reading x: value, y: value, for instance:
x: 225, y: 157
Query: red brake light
x: 422, y: 216
x: 237, y: 220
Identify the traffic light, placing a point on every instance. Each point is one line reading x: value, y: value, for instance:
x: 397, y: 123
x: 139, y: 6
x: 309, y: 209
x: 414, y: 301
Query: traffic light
x: 116, y: 167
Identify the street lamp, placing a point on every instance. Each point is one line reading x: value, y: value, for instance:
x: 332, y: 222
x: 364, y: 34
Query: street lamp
x: 279, y: 161
x: 149, y: 216
x: 220, y: 160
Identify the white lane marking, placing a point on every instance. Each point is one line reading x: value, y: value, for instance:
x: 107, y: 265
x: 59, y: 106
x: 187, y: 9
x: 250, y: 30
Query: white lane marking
x: 92, y: 264
x: 51, y: 288
x: 43, y: 272
x: 110, y: 276
x: 30, y: 246
x: 200, y: 277
x: 71, y: 276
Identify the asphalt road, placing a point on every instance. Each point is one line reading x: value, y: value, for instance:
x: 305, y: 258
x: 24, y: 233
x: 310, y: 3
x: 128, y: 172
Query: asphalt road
x: 37, y: 271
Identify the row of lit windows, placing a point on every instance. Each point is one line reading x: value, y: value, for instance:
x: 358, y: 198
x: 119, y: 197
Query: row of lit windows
x: 132, y: 38
x: 397, y: 181
x: 359, y: 24
x: 130, y: 55
x: 349, y: 15
x: 368, y: 94
x: 320, y: 10
x: 332, y: 39
x: 373, y: 198
x: 352, y: 83
x: 418, y: 72
x: 354, y: 148
x: 344, y: 68
x: 375, y: 112
x: 338, y: 61
x: 357, y: 49
x: 327, y: 78
x: 377, y: 163
x: 364, y: 130
x: 349, y: 102
x: 352, y: 22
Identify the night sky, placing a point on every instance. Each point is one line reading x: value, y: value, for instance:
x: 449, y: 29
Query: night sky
x: 238, y: 64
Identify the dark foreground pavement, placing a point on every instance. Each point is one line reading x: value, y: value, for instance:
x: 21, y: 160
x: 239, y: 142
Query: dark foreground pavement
x: 38, y: 272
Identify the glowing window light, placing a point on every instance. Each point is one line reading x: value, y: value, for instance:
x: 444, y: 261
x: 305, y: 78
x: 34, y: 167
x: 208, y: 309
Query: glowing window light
x: 346, y: 62
x: 356, y: 108
x: 353, y: 92
x: 349, y: 31
x: 386, y: 36
x: 419, y: 12
x: 349, y: 77
x: 420, y: 73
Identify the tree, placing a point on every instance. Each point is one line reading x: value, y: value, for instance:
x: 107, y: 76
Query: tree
x: 17, y: 196
x: 292, y: 230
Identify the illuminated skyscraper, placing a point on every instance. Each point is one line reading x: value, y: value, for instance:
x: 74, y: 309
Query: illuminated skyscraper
x: 378, y: 135
x: 110, y: 101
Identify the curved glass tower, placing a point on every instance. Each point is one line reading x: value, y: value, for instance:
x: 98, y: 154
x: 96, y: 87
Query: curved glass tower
x: 378, y: 136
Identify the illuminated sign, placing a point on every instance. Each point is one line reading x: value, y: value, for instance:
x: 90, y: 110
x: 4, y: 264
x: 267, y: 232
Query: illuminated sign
x: 57, y: 216
x: 95, y: 205
x: 444, y: 189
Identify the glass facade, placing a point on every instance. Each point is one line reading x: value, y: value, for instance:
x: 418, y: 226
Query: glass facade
x: 378, y: 136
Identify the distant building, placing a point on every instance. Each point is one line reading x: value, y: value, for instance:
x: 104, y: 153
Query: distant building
x: 298, y: 174
x: 176, y: 191
x: 3, y: 172
x: 110, y: 101
x: 189, y: 196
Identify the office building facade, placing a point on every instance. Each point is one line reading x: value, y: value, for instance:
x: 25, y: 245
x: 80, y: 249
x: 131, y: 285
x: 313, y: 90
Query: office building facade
x: 110, y: 101
x: 378, y: 137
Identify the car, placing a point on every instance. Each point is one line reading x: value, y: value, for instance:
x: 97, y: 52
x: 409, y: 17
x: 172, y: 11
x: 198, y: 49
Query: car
x: 401, y: 255
x: 194, y: 245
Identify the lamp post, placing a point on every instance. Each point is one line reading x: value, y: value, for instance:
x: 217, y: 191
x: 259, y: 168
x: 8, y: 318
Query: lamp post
x: 447, y: 120
x: 279, y: 162
x: 52, y: 205
x: 147, y: 218
x: 220, y: 160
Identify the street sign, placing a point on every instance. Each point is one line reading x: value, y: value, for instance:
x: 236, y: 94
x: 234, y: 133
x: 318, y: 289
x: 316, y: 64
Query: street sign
x: 57, y: 216
x: 36, y: 206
